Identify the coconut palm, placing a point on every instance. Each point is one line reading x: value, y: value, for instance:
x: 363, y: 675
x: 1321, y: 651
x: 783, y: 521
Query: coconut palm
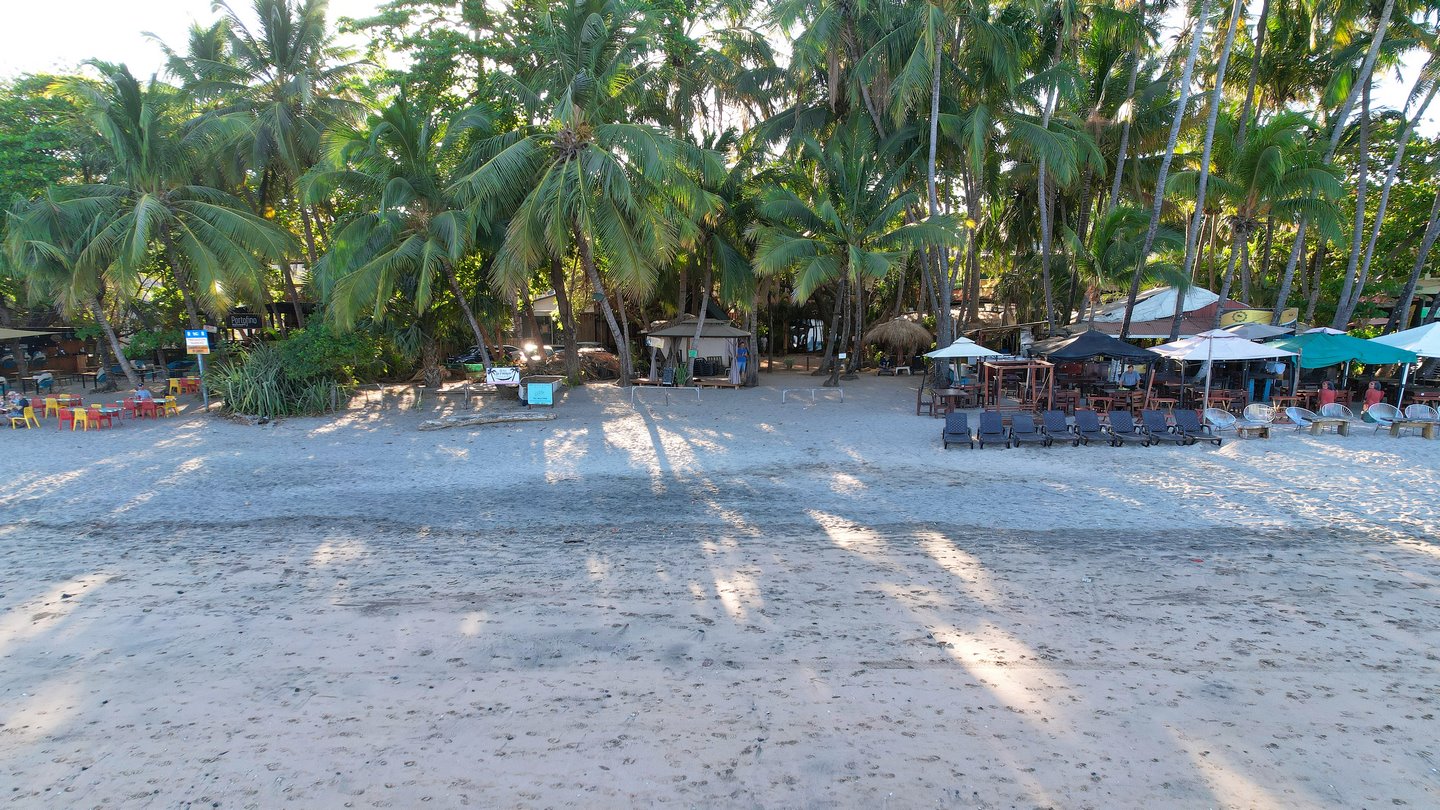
x: 411, y: 232
x: 580, y: 175
x: 214, y: 248
x: 848, y: 230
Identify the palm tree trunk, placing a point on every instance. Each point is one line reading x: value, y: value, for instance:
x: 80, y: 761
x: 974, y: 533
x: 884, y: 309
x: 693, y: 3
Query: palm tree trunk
x: 454, y: 280
x: 1400, y: 314
x: 97, y: 310
x: 1362, y: 80
x: 22, y: 363
x: 182, y: 278
x: 832, y: 340
x: 1159, y: 202
x: 1238, y: 240
x: 430, y: 359
x: 567, y: 322
x: 1390, y: 175
x: 1344, y: 307
x: 1192, y: 234
x: 704, y: 310
x: 1129, y: 97
x: 587, y: 260
x: 1264, y: 272
x: 1046, y: 226
x: 944, y: 329
x: 1317, y: 266
x: 1261, y: 28
x: 292, y: 293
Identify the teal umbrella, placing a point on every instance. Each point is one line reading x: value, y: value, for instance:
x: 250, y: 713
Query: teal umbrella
x: 1320, y: 349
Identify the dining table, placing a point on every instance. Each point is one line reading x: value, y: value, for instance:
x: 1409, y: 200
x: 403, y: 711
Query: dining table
x: 957, y: 397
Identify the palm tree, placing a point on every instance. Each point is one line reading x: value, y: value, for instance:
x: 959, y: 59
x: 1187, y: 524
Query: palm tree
x: 580, y: 176
x: 849, y: 230
x: 46, y: 237
x: 410, y: 233
x: 214, y: 248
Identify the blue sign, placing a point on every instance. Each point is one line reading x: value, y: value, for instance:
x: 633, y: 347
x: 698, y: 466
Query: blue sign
x: 539, y: 394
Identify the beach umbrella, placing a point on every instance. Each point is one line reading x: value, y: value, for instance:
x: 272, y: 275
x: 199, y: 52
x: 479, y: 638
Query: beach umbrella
x: 1088, y: 344
x: 963, y: 347
x: 899, y: 335
x: 1424, y: 341
x: 1218, y: 345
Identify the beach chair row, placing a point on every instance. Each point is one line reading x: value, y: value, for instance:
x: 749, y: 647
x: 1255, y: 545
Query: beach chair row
x: 1053, y: 427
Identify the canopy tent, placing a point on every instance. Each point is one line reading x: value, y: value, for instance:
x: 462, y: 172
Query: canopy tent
x: 21, y: 334
x: 1424, y: 341
x: 1088, y: 344
x: 1259, y: 331
x: 1319, y: 349
x: 962, y: 347
x: 1157, y: 304
x: 1219, y: 345
x: 717, y: 339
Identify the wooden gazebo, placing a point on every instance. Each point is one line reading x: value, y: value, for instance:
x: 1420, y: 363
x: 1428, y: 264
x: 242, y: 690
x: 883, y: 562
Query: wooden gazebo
x: 1033, y: 383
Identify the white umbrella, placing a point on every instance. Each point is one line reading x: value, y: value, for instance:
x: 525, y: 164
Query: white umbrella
x: 1422, y: 340
x: 962, y: 347
x: 1217, y: 344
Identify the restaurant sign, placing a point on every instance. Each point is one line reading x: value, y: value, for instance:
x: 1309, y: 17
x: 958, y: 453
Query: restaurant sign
x: 1235, y: 316
x: 244, y: 321
x: 197, y: 341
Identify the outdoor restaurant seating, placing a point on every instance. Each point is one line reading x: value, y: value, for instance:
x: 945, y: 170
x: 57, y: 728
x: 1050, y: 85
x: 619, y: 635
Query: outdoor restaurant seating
x: 1158, y: 429
x: 66, y: 415
x: 1336, y: 411
x: 1054, y: 425
x: 1187, y: 423
x: 992, y: 428
x: 1383, y: 414
x: 1088, y: 429
x: 956, y: 430
x: 79, y: 418
x: 99, y: 419
x: 1217, y: 419
x: 1023, y: 431
x: 1123, y: 430
x: 170, y: 407
x: 1300, y: 417
x: 1421, y: 413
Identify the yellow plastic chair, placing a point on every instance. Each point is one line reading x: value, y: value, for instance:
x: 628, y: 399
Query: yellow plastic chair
x: 52, y: 404
x: 27, y: 419
x: 176, y: 386
x: 171, y: 407
x: 81, y: 419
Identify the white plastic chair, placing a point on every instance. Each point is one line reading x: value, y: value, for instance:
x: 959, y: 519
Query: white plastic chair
x: 1383, y: 414
x: 1301, y: 417
x: 1336, y: 411
x: 1219, y: 419
x: 1415, y: 413
x: 1259, y: 414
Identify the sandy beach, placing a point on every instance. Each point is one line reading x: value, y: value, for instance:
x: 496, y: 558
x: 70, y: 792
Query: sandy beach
x: 735, y: 603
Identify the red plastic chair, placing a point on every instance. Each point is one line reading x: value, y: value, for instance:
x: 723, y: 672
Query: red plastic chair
x: 150, y: 408
x: 130, y: 408
x: 99, y: 419
x: 66, y: 415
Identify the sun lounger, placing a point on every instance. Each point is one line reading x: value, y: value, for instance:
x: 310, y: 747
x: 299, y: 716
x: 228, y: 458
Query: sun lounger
x: 1187, y: 423
x: 1124, y: 431
x: 1054, y: 425
x: 1022, y: 431
x: 1087, y: 428
x: 1159, y: 430
x: 992, y: 429
x: 956, y: 430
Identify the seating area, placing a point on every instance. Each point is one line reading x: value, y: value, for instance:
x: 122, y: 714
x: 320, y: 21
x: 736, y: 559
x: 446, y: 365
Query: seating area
x: 1116, y: 428
x: 72, y: 411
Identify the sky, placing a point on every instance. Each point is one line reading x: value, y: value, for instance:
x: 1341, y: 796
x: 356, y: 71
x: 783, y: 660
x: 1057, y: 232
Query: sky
x: 57, y: 35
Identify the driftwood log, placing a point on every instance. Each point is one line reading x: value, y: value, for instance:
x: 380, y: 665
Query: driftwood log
x: 476, y: 419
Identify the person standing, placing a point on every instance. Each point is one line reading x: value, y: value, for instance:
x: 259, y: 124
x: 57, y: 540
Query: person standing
x: 1374, y: 395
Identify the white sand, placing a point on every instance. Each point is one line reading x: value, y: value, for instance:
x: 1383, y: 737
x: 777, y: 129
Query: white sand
x: 736, y: 604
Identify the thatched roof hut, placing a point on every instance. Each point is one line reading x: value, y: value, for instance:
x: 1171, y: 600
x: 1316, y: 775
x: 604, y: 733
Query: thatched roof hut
x: 900, y: 335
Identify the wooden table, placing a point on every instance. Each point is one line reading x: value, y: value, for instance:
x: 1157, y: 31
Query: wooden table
x: 1164, y: 403
x: 1244, y: 430
x: 953, y: 398
x: 1342, y: 426
x: 1427, y: 429
x: 1281, y: 403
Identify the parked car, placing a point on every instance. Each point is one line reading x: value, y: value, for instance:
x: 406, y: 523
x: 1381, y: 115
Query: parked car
x: 498, y: 354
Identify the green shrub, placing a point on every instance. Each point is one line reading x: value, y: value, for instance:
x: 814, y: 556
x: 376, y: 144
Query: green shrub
x: 260, y: 382
x: 318, y: 352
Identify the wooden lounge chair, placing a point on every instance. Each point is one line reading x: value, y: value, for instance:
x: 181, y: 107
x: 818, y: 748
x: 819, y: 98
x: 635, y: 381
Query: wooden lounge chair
x: 956, y: 430
x: 1054, y: 425
x: 1088, y: 429
x: 992, y: 429
x: 1187, y: 423
x: 1023, y: 431
x: 1154, y: 424
x: 1124, y: 431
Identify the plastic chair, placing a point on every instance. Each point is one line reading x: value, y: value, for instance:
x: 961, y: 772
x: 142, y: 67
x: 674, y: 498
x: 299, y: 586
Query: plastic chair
x: 129, y: 407
x: 170, y: 407
x: 51, y: 404
x: 1259, y: 414
x: 79, y: 418
x: 177, y: 386
x: 1383, y: 414
x: 956, y: 430
x: 66, y: 415
x: 1301, y: 417
x: 1421, y: 413
x: 98, y: 419
x: 1219, y: 420
x: 149, y: 407
x: 1335, y: 410
x: 26, y: 418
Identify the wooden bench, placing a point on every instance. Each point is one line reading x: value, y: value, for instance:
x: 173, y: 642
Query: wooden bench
x: 1427, y: 429
x: 1252, y: 430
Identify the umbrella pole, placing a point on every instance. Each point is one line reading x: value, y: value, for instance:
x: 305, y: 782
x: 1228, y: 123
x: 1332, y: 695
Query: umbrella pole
x: 1209, y: 368
x: 1404, y: 375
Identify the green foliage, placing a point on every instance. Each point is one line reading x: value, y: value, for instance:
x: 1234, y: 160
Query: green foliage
x: 320, y: 352
x: 146, y: 342
x: 261, y: 383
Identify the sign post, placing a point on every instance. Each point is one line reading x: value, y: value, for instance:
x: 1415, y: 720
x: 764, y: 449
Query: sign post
x: 197, y: 342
